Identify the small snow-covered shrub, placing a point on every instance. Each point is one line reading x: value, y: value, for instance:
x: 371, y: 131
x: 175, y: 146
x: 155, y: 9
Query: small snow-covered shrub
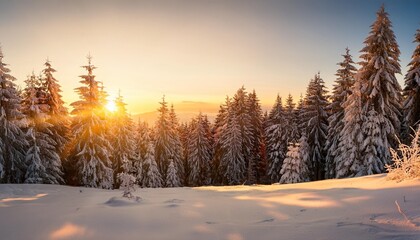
x: 127, y: 184
x: 406, y: 160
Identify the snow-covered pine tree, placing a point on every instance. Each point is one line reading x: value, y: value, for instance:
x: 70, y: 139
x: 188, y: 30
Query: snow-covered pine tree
x: 316, y: 117
x: 184, y: 135
x: 295, y: 168
x: 276, y: 145
x: 232, y: 162
x: 162, y: 136
x: 341, y: 90
x: 127, y: 179
x: 12, y: 139
x: 348, y: 155
x: 381, y: 93
x: 142, y: 140
x: 176, y: 146
x: 122, y: 139
x: 44, y: 163
x: 58, y: 114
x: 90, y: 151
x: 291, y: 121
x: 199, y: 152
x: 148, y: 174
x: 217, y: 130
x: 299, y: 116
x: 262, y: 166
x: 256, y: 129
x: 412, y: 92
x: 172, y: 177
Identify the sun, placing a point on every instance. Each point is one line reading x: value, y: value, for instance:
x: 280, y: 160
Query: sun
x: 111, y: 106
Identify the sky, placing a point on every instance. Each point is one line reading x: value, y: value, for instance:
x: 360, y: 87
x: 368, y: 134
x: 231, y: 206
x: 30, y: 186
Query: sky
x: 194, y: 52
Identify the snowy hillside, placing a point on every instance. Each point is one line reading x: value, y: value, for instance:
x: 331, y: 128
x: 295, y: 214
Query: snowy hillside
x: 359, y: 208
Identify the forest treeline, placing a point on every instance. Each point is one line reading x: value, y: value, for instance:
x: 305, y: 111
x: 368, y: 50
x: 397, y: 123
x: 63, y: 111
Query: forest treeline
x: 345, y: 133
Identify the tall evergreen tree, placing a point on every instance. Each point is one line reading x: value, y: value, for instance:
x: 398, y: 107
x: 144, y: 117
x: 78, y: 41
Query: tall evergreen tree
x: 148, y: 174
x: 12, y: 140
x: 380, y: 93
x: 275, y: 137
x: 412, y: 92
x: 176, y: 146
x: 295, y: 165
x: 316, y: 117
x: 44, y: 163
x: 122, y: 140
x: 90, y: 151
x: 291, y: 121
x: 348, y: 155
x: 199, y: 152
x: 232, y: 162
x: 217, y: 130
x: 341, y: 90
x: 57, y: 114
x: 256, y: 130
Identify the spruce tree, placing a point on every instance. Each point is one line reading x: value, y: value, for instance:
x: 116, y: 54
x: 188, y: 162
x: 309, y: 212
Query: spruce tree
x: 12, y: 139
x: 148, y: 174
x: 176, y: 146
x: 412, y: 92
x: 232, y: 162
x: 172, y: 178
x: 217, y: 130
x: 291, y: 121
x: 295, y: 165
x: 199, y: 152
x: 348, y: 155
x: 256, y: 130
x: 58, y: 114
x: 122, y: 139
x: 341, y: 90
x: 44, y: 163
x: 380, y: 93
x: 276, y: 144
x: 316, y: 117
x: 90, y: 151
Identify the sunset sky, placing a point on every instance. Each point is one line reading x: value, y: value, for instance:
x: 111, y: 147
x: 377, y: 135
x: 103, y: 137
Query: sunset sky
x: 194, y: 52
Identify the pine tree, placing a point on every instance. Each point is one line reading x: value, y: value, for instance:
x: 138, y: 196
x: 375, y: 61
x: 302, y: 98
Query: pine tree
x: 412, y: 92
x: 172, y: 178
x: 44, y: 163
x: 142, y: 140
x: 148, y: 174
x: 317, y: 123
x: 176, y: 146
x: 232, y: 162
x: 256, y: 130
x: 128, y: 181
x: 199, y: 152
x: 90, y: 151
x: 58, y: 114
x: 341, y: 90
x: 291, y: 121
x: 348, y: 161
x: 276, y: 141
x: 217, y: 130
x: 122, y: 138
x: 295, y: 168
x: 12, y: 140
x: 184, y: 136
x: 380, y: 93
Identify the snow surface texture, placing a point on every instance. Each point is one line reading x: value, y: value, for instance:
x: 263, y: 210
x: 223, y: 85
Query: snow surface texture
x: 358, y: 208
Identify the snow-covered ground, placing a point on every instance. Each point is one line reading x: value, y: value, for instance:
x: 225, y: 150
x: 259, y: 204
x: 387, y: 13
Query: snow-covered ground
x: 359, y: 208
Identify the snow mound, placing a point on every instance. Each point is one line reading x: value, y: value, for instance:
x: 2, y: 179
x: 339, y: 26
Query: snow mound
x: 122, y: 201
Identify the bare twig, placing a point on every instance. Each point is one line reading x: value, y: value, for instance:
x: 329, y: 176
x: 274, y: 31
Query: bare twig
x: 402, y: 213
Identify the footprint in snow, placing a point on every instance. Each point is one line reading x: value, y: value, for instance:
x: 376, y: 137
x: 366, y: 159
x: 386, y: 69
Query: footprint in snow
x: 175, y: 201
x: 266, y: 220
